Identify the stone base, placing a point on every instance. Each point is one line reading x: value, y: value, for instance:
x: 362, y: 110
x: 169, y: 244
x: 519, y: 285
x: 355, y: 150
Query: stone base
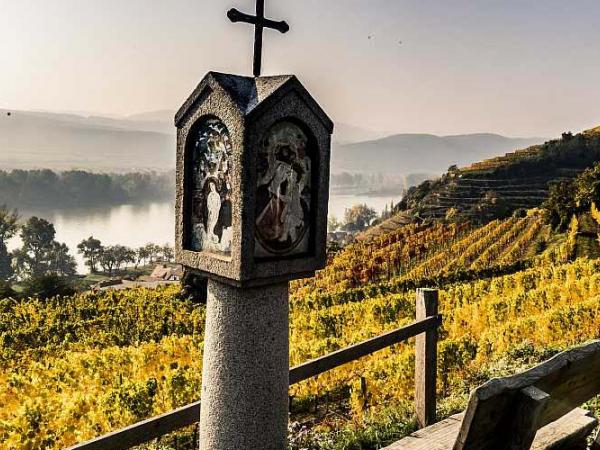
x: 245, y: 377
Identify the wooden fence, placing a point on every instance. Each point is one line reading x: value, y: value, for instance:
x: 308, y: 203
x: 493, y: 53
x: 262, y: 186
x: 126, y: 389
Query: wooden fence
x: 425, y: 329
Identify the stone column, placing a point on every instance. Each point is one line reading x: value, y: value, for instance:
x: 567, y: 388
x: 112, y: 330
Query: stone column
x: 245, y: 375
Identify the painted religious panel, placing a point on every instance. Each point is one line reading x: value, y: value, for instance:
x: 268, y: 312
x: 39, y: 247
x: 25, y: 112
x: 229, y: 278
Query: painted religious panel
x: 283, y: 200
x: 210, y: 225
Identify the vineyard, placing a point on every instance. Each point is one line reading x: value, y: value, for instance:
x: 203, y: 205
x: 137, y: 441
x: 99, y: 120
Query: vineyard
x: 417, y: 252
x: 512, y: 292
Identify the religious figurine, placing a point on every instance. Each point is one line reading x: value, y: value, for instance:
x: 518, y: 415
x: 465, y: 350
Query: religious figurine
x: 211, y: 181
x: 213, y: 205
x: 284, y: 170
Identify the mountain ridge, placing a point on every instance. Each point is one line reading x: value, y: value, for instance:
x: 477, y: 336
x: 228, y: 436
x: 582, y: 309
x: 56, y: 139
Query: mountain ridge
x: 403, y: 153
x: 146, y: 141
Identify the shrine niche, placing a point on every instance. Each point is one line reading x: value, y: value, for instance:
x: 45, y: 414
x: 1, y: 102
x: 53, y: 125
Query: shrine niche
x: 283, y: 197
x: 252, y: 180
x: 210, y: 218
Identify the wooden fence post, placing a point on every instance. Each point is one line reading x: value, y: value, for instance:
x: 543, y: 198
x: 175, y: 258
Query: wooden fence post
x: 426, y: 359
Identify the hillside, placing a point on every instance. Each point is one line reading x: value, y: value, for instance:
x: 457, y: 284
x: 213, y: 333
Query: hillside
x: 495, y: 187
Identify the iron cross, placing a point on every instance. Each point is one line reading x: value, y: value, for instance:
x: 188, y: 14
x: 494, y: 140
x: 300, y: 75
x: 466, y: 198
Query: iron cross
x: 260, y: 22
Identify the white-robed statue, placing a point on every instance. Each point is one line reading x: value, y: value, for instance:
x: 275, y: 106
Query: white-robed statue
x: 213, y: 205
x: 293, y: 214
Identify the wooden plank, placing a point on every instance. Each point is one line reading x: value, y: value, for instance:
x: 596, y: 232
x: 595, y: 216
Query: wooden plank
x: 570, y: 378
x: 426, y: 359
x: 144, y: 431
x: 439, y: 436
x: 568, y: 432
x: 354, y: 352
x: 530, y: 400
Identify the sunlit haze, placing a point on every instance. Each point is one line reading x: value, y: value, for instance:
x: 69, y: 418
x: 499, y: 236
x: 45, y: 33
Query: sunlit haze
x: 516, y: 67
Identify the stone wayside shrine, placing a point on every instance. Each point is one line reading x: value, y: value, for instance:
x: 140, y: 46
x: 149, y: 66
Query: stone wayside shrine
x: 252, y: 192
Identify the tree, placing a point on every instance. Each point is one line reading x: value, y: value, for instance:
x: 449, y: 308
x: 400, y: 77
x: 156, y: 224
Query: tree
x: 114, y: 256
x: 41, y: 254
x: 8, y: 223
x: 153, y: 251
x: 33, y: 259
x: 125, y: 256
x: 167, y: 253
x: 61, y: 263
x: 588, y: 188
x: 141, y: 256
x: 8, y: 228
x: 6, y: 270
x: 91, y: 249
x: 560, y: 205
x: 108, y: 259
x: 358, y: 217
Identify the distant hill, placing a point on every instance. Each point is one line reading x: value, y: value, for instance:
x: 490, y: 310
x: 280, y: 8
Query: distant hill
x: 32, y: 140
x: 59, y: 141
x: 67, y: 141
x: 419, y: 153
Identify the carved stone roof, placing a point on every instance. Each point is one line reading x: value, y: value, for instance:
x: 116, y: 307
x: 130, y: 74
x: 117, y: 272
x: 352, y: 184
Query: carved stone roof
x: 249, y: 93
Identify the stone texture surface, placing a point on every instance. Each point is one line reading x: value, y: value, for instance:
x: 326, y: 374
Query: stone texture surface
x: 248, y: 107
x: 245, y: 375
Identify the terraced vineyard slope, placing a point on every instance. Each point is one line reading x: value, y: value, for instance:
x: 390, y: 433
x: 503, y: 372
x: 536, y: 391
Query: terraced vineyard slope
x: 496, y: 187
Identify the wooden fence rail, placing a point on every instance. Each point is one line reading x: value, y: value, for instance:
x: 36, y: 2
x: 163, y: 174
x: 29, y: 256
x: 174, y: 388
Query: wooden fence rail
x: 425, y: 329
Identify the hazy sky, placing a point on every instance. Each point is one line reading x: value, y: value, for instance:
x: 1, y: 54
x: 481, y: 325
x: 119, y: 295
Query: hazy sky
x: 518, y: 67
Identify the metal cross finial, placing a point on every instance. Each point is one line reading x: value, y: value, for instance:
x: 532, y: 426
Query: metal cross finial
x: 259, y: 23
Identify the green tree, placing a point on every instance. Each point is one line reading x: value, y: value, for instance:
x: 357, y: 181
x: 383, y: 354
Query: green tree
x: 125, y: 256
x: 108, y: 259
x: 141, y: 256
x: 167, y: 253
x: 61, y: 263
x: 587, y: 188
x: 91, y: 249
x: 33, y: 258
x: 8, y: 228
x: 153, y: 251
x: 560, y: 205
x: 8, y: 223
x: 40, y: 254
x: 358, y: 217
x: 6, y: 269
x: 115, y: 256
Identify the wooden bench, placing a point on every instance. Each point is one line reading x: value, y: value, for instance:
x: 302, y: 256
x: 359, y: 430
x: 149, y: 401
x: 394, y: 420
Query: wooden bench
x: 537, y: 409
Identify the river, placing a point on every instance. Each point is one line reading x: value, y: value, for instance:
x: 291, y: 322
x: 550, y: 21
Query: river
x: 136, y: 225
